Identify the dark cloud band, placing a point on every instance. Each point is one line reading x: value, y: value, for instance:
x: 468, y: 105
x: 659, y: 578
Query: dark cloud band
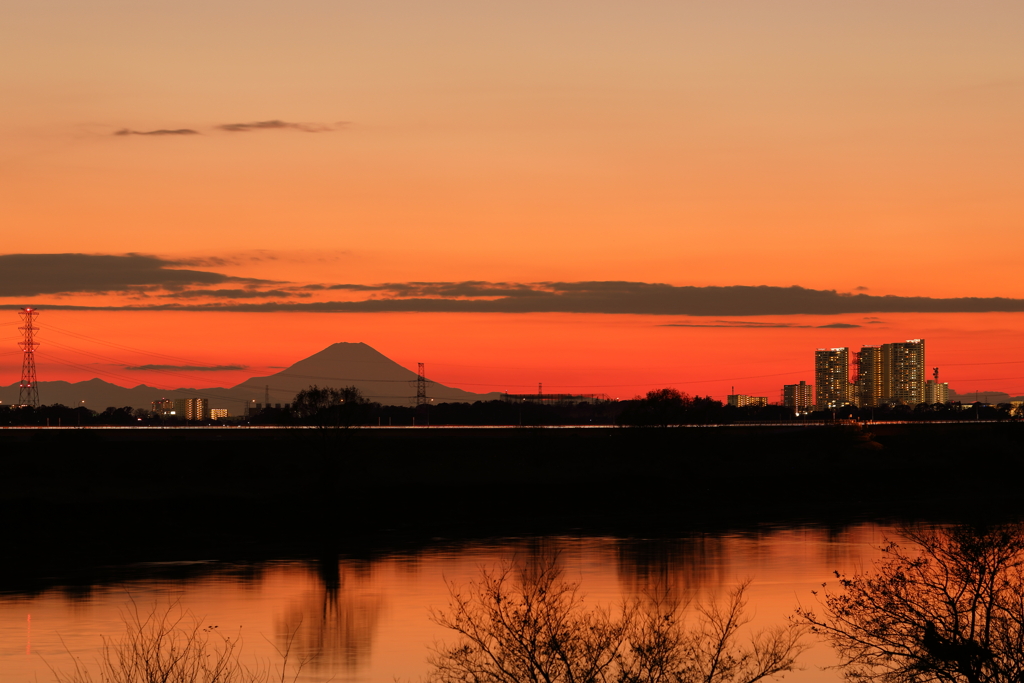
x: 189, y: 368
x: 161, y: 131
x: 275, y: 125
x: 27, y: 275
x: 36, y: 274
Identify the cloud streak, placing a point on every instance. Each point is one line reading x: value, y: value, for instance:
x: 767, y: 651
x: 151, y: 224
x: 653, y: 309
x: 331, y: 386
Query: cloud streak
x: 275, y: 125
x: 161, y: 131
x: 235, y: 294
x: 37, y: 274
x: 189, y: 368
x: 727, y: 324
x: 149, y: 276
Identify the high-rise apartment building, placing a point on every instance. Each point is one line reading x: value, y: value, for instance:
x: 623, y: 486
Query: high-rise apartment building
x: 799, y: 397
x: 832, y: 378
x: 191, y: 408
x: 890, y: 373
x: 905, y: 365
x: 869, y: 386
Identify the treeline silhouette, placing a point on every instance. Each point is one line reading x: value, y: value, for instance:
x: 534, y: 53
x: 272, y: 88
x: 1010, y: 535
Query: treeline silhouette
x: 329, y: 407
x: 658, y: 408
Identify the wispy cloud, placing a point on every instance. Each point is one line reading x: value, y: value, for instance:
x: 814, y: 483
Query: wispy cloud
x: 235, y: 294
x: 160, y: 131
x: 189, y: 368
x: 275, y: 125
x: 758, y: 326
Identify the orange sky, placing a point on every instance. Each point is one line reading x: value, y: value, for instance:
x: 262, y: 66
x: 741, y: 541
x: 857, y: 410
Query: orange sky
x: 843, y: 145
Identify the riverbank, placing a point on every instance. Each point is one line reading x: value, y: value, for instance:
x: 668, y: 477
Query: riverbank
x: 81, y: 497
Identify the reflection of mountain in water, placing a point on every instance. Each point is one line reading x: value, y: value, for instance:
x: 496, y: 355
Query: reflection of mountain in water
x: 333, y: 625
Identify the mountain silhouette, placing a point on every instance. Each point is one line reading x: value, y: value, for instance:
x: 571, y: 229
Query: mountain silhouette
x: 378, y: 377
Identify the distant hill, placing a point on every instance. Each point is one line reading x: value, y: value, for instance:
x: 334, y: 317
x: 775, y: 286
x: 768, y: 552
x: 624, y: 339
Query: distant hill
x: 343, y: 364
x: 983, y: 396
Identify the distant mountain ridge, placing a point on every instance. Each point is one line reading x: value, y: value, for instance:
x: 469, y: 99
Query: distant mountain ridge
x: 357, y: 364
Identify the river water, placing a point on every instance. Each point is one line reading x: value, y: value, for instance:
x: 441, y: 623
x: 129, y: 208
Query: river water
x: 367, y: 620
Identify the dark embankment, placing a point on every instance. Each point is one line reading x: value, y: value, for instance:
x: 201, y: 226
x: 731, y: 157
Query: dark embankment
x: 82, y: 498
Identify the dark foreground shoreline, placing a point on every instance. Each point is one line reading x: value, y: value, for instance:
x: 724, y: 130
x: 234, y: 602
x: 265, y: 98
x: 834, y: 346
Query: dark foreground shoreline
x: 75, y: 499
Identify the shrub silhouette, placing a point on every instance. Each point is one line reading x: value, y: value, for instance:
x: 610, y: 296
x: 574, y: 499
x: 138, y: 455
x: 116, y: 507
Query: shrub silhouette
x: 171, y: 645
x: 531, y: 625
x: 948, y: 608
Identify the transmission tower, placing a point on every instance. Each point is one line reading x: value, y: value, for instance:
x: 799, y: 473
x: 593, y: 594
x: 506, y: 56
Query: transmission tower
x: 421, y: 388
x: 28, y: 392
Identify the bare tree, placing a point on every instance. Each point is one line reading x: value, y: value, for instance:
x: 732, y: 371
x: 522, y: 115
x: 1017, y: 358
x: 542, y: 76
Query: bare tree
x: 532, y: 625
x: 171, y: 645
x: 950, y: 608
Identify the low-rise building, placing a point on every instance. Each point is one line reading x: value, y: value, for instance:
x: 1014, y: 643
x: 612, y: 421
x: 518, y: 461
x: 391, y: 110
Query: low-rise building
x: 936, y: 392
x: 191, y: 409
x: 799, y: 397
x: 742, y: 400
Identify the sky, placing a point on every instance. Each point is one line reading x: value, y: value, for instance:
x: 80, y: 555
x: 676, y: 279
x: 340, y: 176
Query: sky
x: 605, y: 197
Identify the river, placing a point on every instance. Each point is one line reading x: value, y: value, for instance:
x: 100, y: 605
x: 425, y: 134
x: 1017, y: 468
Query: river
x: 368, y: 619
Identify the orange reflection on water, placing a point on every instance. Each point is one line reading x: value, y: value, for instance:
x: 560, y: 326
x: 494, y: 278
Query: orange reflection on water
x: 367, y: 620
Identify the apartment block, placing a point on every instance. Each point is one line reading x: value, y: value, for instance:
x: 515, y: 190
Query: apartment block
x: 191, y: 408
x: 799, y: 397
x: 869, y: 385
x: 890, y: 373
x: 936, y: 392
x: 742, y: 400
x: 832, y: 378
x: 905, y: 366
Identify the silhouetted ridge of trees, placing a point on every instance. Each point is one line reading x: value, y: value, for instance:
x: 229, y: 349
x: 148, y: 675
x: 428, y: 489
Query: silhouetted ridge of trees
x: 346, y: 407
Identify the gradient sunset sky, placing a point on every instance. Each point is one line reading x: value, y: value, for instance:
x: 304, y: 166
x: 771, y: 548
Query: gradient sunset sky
x: 600, y: 196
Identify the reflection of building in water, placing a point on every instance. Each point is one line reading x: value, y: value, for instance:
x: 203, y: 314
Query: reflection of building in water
x: 333, y: 625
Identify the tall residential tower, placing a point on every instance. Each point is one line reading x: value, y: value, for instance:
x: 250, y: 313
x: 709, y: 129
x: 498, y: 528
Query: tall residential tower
x: 832, y: 378
x: 890, y: 373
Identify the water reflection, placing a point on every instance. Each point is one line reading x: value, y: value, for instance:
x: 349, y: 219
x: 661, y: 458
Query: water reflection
x: 332, y: 625
x: 366, y: 619
x: 678, y: 567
